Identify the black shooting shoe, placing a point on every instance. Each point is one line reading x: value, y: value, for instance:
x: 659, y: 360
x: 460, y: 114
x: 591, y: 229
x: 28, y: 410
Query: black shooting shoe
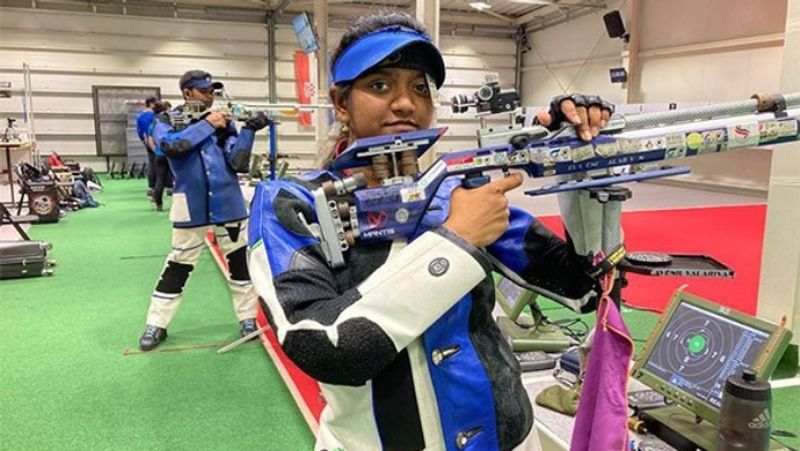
x: 247, y: 326
x: 152, y: 337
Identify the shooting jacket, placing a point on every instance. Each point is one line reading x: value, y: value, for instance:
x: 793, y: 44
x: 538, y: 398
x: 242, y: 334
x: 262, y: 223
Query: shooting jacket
x: 204, y: 162
x: 402, y: 338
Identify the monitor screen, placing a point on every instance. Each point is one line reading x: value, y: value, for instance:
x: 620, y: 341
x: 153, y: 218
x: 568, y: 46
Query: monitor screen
x: 305, y: 33
x: 511, y: 293
x: 698, y: 350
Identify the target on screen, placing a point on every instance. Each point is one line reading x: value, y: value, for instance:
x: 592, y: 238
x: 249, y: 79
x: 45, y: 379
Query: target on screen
x: 699, y: 350
x: 697, y: 344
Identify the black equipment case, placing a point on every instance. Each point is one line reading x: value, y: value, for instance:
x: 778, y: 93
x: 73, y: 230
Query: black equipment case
x: 24, y: 259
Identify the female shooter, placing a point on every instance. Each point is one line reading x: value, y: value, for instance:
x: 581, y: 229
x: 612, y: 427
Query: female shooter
x: 402, y: 339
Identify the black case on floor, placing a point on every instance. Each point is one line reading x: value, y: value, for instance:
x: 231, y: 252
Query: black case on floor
x: 24, y: 259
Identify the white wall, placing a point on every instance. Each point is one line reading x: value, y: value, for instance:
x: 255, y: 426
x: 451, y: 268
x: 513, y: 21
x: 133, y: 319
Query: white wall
x: 70, y: 52
x: 572, y: 57
x: 690, y: 50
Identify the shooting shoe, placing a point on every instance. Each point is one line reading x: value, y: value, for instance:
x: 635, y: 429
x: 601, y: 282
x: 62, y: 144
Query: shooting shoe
x: 152, y: 337
x: 247, y: 326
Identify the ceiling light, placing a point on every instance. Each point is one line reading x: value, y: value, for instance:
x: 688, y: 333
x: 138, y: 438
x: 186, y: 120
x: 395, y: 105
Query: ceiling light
x: 480, y: 5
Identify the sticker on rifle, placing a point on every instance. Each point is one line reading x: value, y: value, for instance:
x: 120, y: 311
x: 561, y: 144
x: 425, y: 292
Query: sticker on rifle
x: 401, y: 216
x: 694, y: 140
x: 676, y: 145
x: 377, y: 219
x: 713, y: 141
x: 432, y: 174
x: 539, y: 154
x: 582, y: 153
x: 653, y: 144
x: 457, y: 164
x: 630, y: 145
x: 519, y: 157
x: 562, y: 153
x: 412, y: 194
x: 743, y: 135
x: 769, y: 131
x: 772, y: 130
x: 485, y: 160
x: 500, y: 158
x: 607, y: 150
x: 787, y: 128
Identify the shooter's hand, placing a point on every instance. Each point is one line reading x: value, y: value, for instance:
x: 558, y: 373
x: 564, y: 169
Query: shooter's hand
x: 587, y: 113
x: 480, y: 215
x: 257, y: 122
x: 218, y: 119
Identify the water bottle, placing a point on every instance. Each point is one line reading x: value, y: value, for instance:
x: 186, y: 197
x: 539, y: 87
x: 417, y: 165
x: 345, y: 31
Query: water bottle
x: 745, y: 417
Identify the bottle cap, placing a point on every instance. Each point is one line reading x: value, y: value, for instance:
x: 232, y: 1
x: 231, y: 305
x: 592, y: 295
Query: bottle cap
x: 747, y: 385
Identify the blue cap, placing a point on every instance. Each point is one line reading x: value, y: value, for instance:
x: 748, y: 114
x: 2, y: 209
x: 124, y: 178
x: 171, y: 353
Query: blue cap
x: 369, y: 51
x: 199, y: 79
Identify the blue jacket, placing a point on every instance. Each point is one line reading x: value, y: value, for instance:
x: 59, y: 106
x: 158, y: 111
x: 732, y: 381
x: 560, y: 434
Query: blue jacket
x: 402, y: 337
x: 205, y: 162
x: 143, y: 122
x: 157, y: 150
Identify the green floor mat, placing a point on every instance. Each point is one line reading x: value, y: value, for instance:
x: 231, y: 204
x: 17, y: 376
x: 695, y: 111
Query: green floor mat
x: 66, y: 383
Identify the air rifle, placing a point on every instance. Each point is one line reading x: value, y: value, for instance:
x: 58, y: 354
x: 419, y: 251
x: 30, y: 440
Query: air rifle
x: 194, y: 110
x: 348, y: 212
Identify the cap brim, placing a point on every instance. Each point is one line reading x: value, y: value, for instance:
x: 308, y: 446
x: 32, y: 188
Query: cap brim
x: 367, y: 52
x: 205, y: 84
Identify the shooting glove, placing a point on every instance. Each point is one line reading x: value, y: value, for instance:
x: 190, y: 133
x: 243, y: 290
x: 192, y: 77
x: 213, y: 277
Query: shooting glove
x: 223, y: 133
x: 257, y: 122
x: 580, y: 100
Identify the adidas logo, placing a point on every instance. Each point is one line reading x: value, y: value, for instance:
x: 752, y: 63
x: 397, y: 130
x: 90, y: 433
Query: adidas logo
x: 761, y: 421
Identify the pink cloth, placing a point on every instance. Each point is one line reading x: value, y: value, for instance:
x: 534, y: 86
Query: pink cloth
x: 601, y: 420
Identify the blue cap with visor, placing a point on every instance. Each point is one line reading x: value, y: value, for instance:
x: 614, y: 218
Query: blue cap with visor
x: 199, y: 79
x: 395, y: 46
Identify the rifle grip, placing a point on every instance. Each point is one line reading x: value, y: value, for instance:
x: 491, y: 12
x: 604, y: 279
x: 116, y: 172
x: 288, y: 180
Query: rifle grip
x: 475, y: 180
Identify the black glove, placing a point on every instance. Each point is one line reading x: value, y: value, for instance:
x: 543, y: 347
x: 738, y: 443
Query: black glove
x: 580, y: 101
x: 257, y: 122
x: 224, y: 133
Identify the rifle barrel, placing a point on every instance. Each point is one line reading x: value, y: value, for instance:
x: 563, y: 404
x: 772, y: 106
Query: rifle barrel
x: 750, y: 106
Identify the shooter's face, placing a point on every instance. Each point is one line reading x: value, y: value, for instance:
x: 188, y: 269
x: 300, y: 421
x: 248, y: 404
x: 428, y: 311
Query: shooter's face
x: 205, y: 95
x: 387, y: 101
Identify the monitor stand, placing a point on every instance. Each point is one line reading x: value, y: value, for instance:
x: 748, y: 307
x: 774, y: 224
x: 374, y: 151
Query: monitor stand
x: 678, y: 427
x: 527, y: 337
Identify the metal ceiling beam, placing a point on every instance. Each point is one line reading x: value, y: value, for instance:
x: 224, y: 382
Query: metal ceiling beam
x: 445, y: 15
x: 489, y: 12
x: 555, y: 22
x: 566, y: 9
x: 508, y: 19
x: 535, y: 14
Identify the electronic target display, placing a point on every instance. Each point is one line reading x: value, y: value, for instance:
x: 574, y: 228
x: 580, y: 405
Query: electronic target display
x: 698, y: 350
x: 512, y: 297
x: 697, y: 344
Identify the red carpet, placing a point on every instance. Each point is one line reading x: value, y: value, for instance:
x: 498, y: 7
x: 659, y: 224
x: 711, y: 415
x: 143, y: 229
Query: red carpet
x: 732, y: 235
